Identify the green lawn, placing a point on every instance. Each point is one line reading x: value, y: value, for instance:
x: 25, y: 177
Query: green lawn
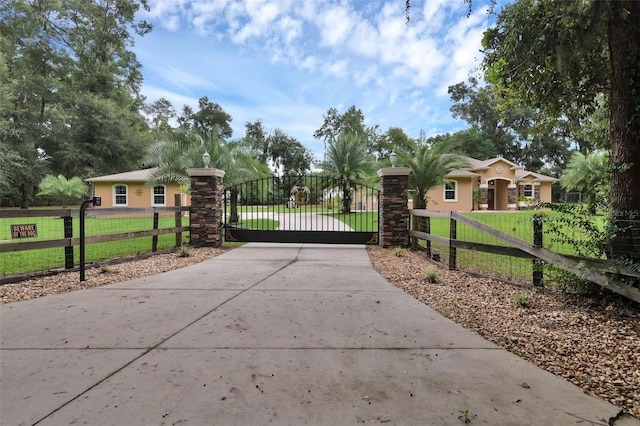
x: 261, y: 223
x: 52, y: 228
x: 358, y: 221
x: 518, y: 224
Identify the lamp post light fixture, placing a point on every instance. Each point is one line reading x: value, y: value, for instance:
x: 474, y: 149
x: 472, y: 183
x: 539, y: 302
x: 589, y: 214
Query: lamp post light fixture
x: 206, y: 159
x: 393, y: 158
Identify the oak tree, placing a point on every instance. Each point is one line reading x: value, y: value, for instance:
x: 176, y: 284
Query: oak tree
x: 561, y: 57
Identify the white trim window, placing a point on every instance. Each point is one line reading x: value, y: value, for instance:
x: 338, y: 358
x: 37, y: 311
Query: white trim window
x: 159, y: 196
x: 527, y: 191
x: 450, y: 191
x: 120, y: 195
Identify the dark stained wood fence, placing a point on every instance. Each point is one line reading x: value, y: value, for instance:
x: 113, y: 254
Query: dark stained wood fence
x: 68, y: 242
x: 605, y: 273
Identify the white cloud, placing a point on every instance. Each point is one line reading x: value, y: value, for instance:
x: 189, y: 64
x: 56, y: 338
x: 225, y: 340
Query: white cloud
x: 366, y: 76
x: 364, y: 40
x: 288, y: 61
x: 309, y: 62
x: 335, y: 25
x: 336, y: 68
x: 464, y: 39
x: 434, y: 13
x: 261, y: 16
x: 202, y: 12
x: 290, y: 28
x: 182, y: 79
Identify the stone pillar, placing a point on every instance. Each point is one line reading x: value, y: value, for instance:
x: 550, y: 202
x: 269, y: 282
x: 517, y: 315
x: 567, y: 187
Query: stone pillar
x: 205, y: 213
x: 511, y: 197
x: 484, y: 196
x: 394, y: 210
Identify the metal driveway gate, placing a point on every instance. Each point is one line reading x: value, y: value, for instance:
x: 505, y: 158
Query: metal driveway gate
x: 301, y: 209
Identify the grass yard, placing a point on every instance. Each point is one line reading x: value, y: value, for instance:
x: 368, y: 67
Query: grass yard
x: 518, y: 224
x: 358, y: 221
x: 52, y: 228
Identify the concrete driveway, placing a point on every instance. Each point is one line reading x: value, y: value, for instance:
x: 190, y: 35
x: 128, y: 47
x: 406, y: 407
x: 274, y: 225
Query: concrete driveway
x: 266, y: 334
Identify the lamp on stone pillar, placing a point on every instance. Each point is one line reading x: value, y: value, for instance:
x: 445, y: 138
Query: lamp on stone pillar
x: 206, y: 159
x: 393, y: 158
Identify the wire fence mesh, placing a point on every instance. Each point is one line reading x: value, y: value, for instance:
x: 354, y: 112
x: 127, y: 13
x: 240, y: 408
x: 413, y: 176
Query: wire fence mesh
x: 40, y: 240
x: 558, y: 231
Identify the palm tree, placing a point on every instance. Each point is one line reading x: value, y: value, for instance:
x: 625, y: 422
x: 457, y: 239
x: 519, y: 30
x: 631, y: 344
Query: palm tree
x: 63, y: 189
x: 173, y: 157
x: 348, y: 159
x: 587, y: 173
x: 429, y: 166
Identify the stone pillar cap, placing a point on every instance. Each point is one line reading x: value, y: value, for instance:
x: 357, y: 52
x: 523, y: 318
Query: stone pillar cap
x: 205, y: 172
x: 394, y: 171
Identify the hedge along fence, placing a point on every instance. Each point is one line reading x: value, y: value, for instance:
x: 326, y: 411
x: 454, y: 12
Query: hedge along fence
x: 511, y: 247
x: 41, y: 240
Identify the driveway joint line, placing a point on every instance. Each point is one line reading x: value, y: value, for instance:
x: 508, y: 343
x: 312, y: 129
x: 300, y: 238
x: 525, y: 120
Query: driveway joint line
x: 151, y: 348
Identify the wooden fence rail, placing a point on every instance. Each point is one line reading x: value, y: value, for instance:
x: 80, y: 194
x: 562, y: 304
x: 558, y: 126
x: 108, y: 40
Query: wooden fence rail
x: 600, y: 271
x: 68, y: 241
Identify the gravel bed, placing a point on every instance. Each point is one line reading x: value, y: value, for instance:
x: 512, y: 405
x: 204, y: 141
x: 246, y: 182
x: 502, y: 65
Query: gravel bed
x: 593, y: 343
x: 109, y: 273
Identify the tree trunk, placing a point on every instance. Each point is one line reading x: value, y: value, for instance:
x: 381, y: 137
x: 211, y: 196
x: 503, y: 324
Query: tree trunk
x: 27, y: 191
x: 235, y: 217
x: 624, y: 48
x: 346, y: 197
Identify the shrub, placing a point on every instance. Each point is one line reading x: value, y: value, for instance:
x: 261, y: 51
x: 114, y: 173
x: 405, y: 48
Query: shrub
x: 430, y: 275
x: 185, y: 251
x: 521, y: 299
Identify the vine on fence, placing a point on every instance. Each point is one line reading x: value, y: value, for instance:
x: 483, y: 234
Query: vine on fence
x: 587, y: 235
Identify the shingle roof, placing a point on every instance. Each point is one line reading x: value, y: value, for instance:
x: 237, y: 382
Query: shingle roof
x: 480, y: 164
x: 134, y: 176
x: 520, y: 173
x: 462, y: 173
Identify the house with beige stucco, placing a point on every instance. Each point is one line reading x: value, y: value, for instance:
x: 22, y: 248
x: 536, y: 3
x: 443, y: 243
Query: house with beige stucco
x: 132, y: 189
x: 493, y: 184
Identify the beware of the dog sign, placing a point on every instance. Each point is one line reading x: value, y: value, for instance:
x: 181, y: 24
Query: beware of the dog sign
x: 24, y: 231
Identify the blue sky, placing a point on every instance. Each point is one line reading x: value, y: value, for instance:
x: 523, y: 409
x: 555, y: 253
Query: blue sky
x: 288, y: 61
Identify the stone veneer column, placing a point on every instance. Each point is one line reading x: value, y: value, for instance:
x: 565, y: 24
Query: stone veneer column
x: 484, y: 196
x: 512, y: 200
x: 394, y: 211
x: 205, y: 213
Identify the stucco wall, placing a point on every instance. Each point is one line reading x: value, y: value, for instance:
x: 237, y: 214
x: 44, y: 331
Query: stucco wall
x: 436, y: 201
x: 497, y: 176
x: 139, y: 195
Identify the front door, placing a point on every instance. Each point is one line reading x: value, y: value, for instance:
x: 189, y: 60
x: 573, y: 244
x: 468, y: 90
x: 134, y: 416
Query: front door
x: 491, y: 199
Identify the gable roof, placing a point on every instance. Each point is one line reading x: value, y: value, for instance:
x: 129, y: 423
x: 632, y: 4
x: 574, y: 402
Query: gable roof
x: 521, y: 174
x: 484, y: 164
x: 480, y: 165
x: 134, y: 176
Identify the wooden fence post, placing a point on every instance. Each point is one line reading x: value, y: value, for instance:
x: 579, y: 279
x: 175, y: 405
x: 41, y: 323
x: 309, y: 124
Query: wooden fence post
x: 154, y: 239
x: 178, y: 219
x: 68, y: 233
x: 427, y: 229
x: 453, y: 234
x: 537, y: 242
